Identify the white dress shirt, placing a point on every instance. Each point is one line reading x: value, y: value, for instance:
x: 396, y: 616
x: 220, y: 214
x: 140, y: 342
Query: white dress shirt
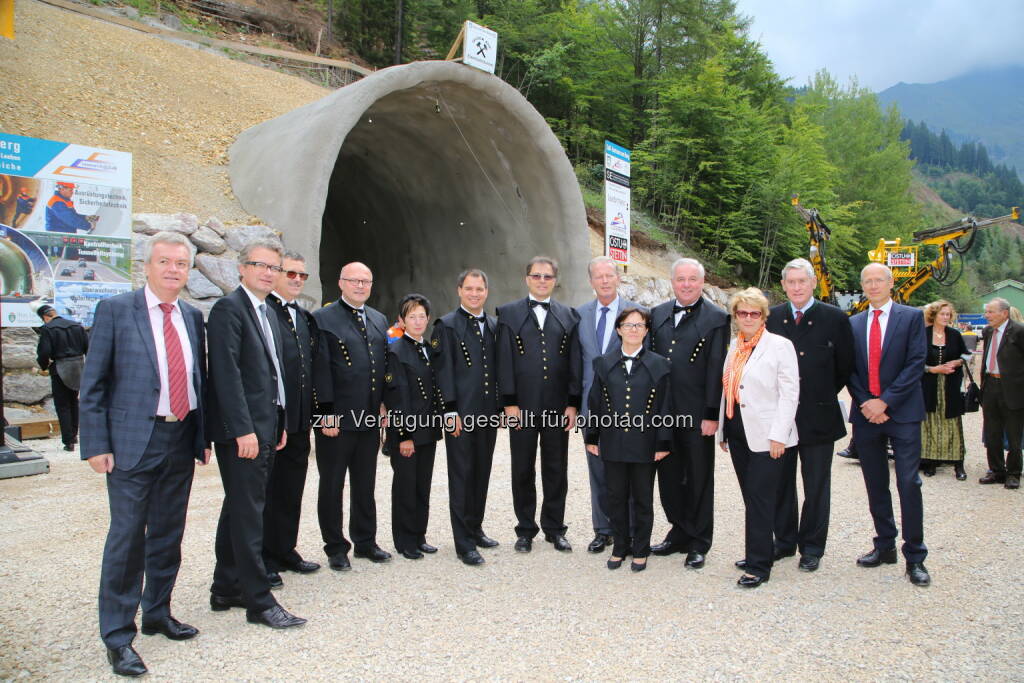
x: 802, y: 311
x: 609, y: 325
x: 291, y: 311
x: 156, y: 323
x: 480, y: 324
x: 628, y: 362
x: 997, y: 335
x: 679, y: 315
x: 883, y: 321
x: 540, y: 311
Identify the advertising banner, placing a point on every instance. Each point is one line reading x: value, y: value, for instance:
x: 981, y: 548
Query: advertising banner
x: 616, y: 202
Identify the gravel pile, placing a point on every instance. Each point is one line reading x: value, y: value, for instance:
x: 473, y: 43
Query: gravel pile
x: 540, y: 616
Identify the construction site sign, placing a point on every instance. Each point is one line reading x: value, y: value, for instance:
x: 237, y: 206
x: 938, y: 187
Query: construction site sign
x: 479, y: 47
x: 616, y: 202
x: 65, y: 228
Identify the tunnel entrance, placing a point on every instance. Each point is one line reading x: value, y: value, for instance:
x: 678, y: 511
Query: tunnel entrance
x: 420, y: 171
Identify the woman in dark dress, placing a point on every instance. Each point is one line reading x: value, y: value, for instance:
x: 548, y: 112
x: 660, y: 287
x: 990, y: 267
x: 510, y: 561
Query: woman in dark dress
x: 415, y: 409
x: 629, y: 428
x: 942, y: 432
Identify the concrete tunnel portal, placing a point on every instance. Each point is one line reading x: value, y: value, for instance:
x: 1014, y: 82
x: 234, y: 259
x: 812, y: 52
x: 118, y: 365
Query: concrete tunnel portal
x: 420, y: 171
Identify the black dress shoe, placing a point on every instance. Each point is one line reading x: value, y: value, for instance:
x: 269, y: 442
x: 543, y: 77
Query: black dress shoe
x: 427, y: 548
x: 917, y: 574
x: 373, y: 554
x: 848, y: 453
x: 274, y: 617
x: 222, y: 603
x: 600, y: 542
x: 877, y: 557
x: 411, y: 554
x: 1012, y: 482
x: 959, y: 473
x: 783, y: 554
x: 483, y: 541
x: 694, y: 560
x: 275, y: 579
x: 666, y: 548
x: 638, y: 566
x: 170, y: 627
x: 303, y: 567
x: 751, y: 581
x: 809, y: 563
x: 339, y: 563
x: 993, y: 478
x: 559, y: 541
x: 472, y: 558
x: 524, y: 544
x: 72, y: 448
x: 740, y: 564
x: 125, y: 661
x: 927, y: 470
x: 614, y: 564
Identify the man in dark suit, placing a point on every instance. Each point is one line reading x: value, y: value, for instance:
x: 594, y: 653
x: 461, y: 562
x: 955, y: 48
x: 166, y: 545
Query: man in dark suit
x: 246, y: 422
x: 465, y: 339
x: 1002, y: 398
x: 823, y: 340
x: 889, y: 352
x: 693, y: 333
x: 142, y: 405
x: 350, y: 400
x: 597, y: 337
x: 539, y: 374
x: 299, y: 346
x: 61, y: 349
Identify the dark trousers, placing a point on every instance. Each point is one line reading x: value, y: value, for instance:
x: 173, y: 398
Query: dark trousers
x: 811, y: 532
x: 147, y: 520
x: 356, y: 454
x: 759, y: 475
x: 410, y: 495
x: 469, y: 475
x: 281, y: 515
x: 905, y: 438
x: 686, y: 484
x: 554, y: 464
x: 599, y: 515
x: 999, y: 419
x: 65, y: 403
x: 630, y: 505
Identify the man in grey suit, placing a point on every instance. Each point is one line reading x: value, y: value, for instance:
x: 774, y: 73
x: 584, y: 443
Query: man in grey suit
x: 597, y: 336
x: 142, y: 403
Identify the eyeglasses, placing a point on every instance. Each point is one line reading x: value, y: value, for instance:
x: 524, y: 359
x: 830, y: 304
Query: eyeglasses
x: 357, y: 281
x: 292, y: 274
x: 536, y: 277
x: 261, y: 266
x: 753, y: 315
x: 633, y: 326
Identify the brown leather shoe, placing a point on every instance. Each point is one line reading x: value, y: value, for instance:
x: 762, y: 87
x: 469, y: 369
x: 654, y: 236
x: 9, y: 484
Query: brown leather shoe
x: 993, y: 478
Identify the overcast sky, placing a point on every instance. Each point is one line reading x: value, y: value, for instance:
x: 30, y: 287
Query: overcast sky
x: 883, y: 42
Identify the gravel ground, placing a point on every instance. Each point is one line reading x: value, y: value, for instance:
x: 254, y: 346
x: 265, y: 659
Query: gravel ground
x: 540, y: 616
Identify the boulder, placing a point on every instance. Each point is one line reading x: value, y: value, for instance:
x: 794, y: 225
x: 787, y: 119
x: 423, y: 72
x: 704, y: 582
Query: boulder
x: 204, y: 305
x: 152, y: 223
x: 139, y: 243
x: 238, y: 237
x: 19, y: 348
x: 25, y: 387
x: 208, y: 241
x: 222, y: 272
x: 213, y: 223
x: 200, y: 287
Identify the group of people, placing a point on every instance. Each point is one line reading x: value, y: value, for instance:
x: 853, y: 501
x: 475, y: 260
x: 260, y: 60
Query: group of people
x: 651, y: 390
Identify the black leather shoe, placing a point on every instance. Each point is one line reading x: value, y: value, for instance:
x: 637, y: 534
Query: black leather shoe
x: 927, y: 470
x: 524, y: 544
x: 303, y: 567
x: 993, y: 478
x: 125, y: 661
x: 740, y: 564
x: 877, y: 557
x: 666, y: 548
x: 72, y: 448
x: 170, y: 627
x: 373, y: 554
x: 783, y: 554
x: 600, y: 542
x: 751, y: 581
x: 809, y: 563
x: 614, y: 564
x: 694, y: 560
x: 427, y: 548
x: 848, y: 453
x: 917, y: 574
x: 222, y: 603
x: 559, y: 541
x: 1012, y: 482
x: 483, y: 541
x: 472, y: 558
x: 275, y: 579
x: 638, y: 566
x: 411, y: 554
x: 274, y: 617
x: 339, y: 563
x: 959, y: 473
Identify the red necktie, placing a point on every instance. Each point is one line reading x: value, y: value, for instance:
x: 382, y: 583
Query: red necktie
x: 799, y: 316
x: 177, y: 381
x: 875, y: 355
x: 994, y: 344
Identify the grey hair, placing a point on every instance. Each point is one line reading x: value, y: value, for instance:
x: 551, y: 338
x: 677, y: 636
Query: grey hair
x: 687, y: 262
x: 294, y: 256
x: 1000, y: 302
x: 601, y: 259
x: 800, y: 264
x: 168, y: 237
x: 262, y: 243
x: 880, y: 265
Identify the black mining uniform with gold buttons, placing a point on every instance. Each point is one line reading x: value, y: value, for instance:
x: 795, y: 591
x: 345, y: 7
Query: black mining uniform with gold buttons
x: 412, y: 396
x: 539, y: 370
x: 354, y: 346
x: 468, y: 377
x: 300, y: 342
x: 629, y: 415
x: 696, y: 348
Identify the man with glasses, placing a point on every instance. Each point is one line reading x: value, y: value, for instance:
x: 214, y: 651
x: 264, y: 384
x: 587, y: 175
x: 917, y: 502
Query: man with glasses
x: 349, y: 403
x: 539, y: 376
x: 300, y: 344
x: 246, y: 422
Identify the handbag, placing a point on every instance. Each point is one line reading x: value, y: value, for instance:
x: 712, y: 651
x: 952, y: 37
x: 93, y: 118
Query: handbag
x: 972, y: 395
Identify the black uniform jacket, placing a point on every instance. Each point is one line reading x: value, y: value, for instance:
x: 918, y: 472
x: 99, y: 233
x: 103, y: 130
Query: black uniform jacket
x: 411, y: 393
x: 301, y: 344
x: 466, y: 368
x: 60, y: 338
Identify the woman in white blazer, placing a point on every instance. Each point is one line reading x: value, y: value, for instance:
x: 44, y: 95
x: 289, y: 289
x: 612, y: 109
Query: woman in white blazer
x: 757, y: 422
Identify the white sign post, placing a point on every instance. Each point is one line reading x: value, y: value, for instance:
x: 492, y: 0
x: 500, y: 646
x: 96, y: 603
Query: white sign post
x: 479, y: 47
x: 616, y: 202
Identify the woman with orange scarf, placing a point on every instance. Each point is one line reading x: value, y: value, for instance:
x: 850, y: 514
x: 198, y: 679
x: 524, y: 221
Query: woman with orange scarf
x: 757, y: 422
